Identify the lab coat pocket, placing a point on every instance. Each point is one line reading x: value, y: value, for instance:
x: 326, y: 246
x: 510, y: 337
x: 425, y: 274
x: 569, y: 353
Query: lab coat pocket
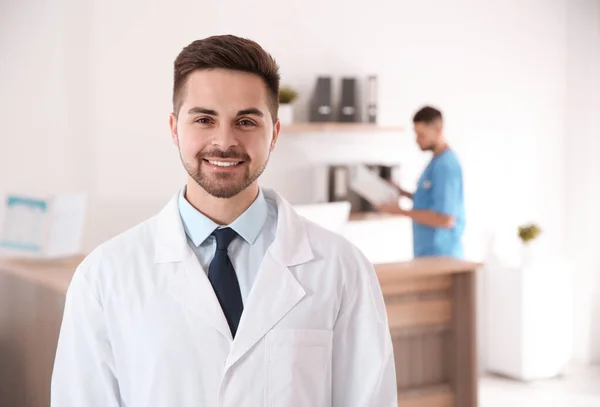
x: 298, y: 368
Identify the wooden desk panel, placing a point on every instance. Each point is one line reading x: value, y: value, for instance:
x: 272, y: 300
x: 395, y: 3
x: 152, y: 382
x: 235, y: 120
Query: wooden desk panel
x: 393, y: 288
x: 429, y: 397
x: 422, y: 267
x: 431, y: 311
x: 54, y: 275
x: 30, y: 317
x: 418, y: 312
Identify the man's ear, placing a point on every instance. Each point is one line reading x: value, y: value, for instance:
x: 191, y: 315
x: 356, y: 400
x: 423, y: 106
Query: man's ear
x: 276, y: 130
x: 173, y: 126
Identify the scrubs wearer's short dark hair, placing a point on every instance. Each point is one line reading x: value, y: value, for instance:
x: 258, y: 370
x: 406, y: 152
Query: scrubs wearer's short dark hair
x: 226, y: 52
x: 427, y: 115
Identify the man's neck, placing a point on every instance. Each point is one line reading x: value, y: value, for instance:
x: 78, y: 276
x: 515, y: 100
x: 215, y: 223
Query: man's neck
x: 440, y: 148
x: 220, y: 210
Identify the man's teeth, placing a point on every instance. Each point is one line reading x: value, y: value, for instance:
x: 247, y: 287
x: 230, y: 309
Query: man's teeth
x: 223, y: 163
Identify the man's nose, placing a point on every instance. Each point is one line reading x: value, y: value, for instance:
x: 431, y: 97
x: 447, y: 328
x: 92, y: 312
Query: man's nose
x: 224, y: 138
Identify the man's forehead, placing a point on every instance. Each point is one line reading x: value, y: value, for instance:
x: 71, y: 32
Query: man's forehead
x: 211, y: 79
x: 248, y: 89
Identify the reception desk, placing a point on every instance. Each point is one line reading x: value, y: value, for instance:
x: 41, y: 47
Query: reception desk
x: 32, y: 298
x: 431, y: 309
x: 432, y: 313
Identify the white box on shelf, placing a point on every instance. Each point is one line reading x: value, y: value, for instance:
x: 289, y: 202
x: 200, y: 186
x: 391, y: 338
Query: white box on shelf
x: 529, y: 318
x: 43, y: 227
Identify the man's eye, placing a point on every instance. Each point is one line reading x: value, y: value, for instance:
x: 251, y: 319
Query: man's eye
x: 203, y: 120
x: 246, y: 123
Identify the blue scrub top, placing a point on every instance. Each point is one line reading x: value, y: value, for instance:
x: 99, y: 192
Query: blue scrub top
x: 440, y: 189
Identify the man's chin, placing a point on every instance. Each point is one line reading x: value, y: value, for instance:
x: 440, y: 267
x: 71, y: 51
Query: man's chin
x: 225, y: 184
x: 223, y: 194
x: 223, y: 188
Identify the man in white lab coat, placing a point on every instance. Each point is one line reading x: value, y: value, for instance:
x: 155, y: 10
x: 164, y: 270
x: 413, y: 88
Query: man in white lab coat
x: 227, y: 297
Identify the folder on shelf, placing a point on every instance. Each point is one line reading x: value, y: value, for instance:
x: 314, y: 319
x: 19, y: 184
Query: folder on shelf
x: 321, y: 108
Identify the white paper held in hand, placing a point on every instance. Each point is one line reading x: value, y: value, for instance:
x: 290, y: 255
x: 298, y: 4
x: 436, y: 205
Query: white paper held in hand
x: 371, y: 186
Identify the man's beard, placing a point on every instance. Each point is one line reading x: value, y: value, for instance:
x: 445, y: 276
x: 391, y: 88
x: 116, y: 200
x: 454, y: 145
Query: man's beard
x: 224, y: 185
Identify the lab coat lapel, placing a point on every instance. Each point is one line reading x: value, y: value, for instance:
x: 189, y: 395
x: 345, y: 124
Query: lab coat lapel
x: 193, y: 290
x: 189, y: 284
x: 275, y: 291
x: 274, y: 294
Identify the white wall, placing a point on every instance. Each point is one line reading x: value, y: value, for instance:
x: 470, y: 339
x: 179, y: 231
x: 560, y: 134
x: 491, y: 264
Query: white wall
x: 89, y: 83
x: 583, y: 170
x: 502, y: 90
x: 41, y: 137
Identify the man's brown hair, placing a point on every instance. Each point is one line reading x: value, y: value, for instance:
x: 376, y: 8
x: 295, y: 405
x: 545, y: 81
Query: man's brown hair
x: 428, y: 115
x: 226, y: 52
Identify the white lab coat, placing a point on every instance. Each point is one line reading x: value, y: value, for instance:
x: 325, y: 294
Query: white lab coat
x: 142, y: 326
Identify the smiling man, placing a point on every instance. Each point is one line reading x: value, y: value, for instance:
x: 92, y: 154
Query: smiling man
x: 227, y: 297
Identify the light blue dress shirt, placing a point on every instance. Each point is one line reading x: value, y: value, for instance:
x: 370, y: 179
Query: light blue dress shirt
x: 256, y: 231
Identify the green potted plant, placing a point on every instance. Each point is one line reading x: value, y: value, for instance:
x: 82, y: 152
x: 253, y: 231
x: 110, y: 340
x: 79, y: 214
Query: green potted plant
x: 528, y: 233
x: 287, y: 95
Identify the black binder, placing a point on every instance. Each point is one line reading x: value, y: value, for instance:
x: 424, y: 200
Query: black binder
x: 348, y: 101
x: 321, y: 109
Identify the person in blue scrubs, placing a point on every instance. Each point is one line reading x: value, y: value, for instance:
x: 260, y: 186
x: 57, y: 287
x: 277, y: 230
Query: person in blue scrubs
x: 438, y: 212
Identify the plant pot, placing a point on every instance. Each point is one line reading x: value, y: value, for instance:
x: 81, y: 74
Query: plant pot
x: 286, y: 113
x: 528, y: 253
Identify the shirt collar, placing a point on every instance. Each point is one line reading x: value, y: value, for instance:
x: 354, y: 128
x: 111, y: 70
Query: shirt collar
x: 198, y: 227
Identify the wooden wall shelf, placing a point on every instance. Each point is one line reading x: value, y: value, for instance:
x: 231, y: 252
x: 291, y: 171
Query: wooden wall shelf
x: 335, y: 127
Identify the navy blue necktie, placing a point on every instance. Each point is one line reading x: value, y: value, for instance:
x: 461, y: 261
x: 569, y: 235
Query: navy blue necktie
x: 224, y: 280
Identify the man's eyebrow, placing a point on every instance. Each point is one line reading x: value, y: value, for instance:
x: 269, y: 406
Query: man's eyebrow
x: 245, y: 112
x: 202, y: 110
x: 251, y: 111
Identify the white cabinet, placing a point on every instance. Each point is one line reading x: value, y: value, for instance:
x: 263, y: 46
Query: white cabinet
x: 528, y: 318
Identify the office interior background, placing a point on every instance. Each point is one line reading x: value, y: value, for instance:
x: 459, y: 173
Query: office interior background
x: 86, y: 93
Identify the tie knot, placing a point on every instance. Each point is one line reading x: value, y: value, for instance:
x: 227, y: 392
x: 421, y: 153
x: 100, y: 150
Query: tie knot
x: 224, y: 236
